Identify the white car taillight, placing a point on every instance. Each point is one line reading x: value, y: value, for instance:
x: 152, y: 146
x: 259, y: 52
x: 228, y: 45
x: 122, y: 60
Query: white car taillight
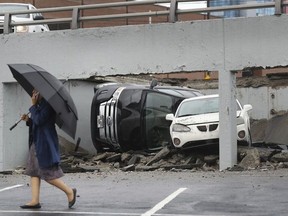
x: 180, y: 128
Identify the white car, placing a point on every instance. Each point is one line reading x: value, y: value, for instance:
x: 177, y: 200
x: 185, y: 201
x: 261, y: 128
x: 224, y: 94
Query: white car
x: 196, y: 122
x: 9, y: 7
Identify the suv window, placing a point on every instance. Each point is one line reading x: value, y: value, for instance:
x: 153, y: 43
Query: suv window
x: 156, y: 107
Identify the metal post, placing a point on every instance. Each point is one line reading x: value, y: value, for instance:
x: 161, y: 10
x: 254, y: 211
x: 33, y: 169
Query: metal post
x: 172, y: 12
x: 82, y: 14
x: 208, y: 5
x: 75, y: 18
x: 278, y: 7
x: 127, y: 11
x: 7, y: 21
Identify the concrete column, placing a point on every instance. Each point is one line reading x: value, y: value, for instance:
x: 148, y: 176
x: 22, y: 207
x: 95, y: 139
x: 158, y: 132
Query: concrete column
x: 1, y: 129
x: 227, y: 115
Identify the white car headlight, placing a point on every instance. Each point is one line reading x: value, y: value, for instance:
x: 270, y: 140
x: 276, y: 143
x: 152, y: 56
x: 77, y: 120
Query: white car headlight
x: 240, y: 120
x: 180, y: 128
x: 20, y: 29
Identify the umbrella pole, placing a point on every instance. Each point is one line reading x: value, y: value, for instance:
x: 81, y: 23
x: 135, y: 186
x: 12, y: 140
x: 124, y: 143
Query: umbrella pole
x: 16, y: 123
x: 77, y: 144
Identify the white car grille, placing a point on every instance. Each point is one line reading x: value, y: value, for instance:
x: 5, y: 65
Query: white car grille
x: 205, y: 128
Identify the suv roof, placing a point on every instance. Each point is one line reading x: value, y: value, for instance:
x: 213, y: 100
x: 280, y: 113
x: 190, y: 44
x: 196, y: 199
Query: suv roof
x: 172, y: 90
x: 178, y: 91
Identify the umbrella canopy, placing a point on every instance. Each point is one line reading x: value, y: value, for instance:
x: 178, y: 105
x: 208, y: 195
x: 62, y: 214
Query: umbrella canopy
x: 52, y: 90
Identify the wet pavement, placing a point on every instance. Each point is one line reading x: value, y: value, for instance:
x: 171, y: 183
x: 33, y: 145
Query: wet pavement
x: 184, y: 193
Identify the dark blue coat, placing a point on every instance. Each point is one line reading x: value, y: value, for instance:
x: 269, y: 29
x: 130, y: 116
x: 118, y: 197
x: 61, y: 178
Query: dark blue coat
x: 44, y: 134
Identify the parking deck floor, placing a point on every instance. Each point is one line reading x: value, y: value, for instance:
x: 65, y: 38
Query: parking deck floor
x: 184, y: 193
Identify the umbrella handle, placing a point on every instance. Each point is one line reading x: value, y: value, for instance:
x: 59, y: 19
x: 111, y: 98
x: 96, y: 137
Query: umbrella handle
x: 77, y: 144
x: 16, y: 123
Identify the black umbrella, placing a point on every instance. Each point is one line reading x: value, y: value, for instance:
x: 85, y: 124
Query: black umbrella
x: 33, y: 77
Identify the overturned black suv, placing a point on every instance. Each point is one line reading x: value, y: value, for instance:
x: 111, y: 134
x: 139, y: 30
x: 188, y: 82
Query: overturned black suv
x: 132, y: 117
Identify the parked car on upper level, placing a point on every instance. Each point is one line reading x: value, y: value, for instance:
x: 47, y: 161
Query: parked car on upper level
x: 9, y: 7
x: 132, y: 117
x: 196, y: 122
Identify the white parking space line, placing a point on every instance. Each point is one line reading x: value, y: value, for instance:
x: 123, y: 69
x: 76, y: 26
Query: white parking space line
x: 151, y: 212
x: 91, y: 213
x: 11, y: 187
x: 65, y: 212
x: 161, y: 204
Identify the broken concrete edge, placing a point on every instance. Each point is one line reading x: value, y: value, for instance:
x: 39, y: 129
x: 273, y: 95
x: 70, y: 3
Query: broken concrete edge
x: 274, y: 80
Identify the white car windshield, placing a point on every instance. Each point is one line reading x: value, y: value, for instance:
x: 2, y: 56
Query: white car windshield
x: 9, y: 8
x: 200, y: 106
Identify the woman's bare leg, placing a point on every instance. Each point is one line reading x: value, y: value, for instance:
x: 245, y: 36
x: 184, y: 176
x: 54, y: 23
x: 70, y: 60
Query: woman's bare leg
x: 62, y: 186
x: 35, y: 189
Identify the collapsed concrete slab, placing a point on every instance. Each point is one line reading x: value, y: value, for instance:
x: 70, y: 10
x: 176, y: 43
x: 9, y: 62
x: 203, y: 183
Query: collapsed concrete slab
x: 277, y: 130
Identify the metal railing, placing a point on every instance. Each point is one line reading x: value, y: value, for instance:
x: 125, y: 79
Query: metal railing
x: 172, y: 13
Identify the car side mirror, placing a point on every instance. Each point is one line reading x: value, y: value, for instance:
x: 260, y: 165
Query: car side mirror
x: 247, y: 107
x: 170, y: 117
x: 153, y: 83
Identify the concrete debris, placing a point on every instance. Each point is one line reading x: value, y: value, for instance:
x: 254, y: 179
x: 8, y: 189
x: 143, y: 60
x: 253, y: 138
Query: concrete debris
x: 173, y: 160
x: 211, y: 159
x: 114, y: 158
x: 134, y: 160
x: 161, y: 154
x: 255, y: 158
x: 263, y: 155
x: 251, y: 160
x: 130, y: 167
x: 280, y: 157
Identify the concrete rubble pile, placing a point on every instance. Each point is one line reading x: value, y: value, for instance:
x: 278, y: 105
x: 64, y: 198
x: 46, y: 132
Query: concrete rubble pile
x: 269, y: 149
x: 172, y: 160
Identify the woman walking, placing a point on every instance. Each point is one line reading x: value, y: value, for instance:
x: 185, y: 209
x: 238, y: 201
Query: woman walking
x: 44, y: 157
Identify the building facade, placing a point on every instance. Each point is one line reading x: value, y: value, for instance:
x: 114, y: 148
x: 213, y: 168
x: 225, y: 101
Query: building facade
x: 105, y: 11
x: 241, y: 13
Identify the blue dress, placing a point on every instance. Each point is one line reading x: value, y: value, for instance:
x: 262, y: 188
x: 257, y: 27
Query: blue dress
x: 44, y: 155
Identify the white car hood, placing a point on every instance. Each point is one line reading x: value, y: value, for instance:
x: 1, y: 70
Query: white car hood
x: 200, y: 119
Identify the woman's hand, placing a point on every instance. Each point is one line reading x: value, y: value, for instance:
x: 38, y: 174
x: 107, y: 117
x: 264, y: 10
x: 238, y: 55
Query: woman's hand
x: 25, y: 117
x: 35, y: 97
